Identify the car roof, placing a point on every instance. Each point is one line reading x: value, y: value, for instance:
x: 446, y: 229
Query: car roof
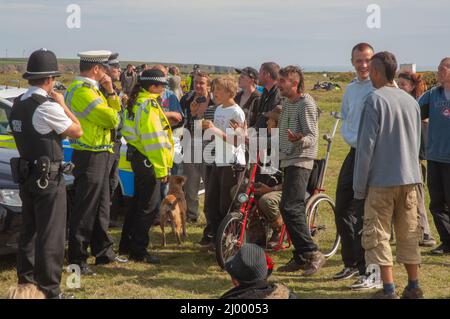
x: 10, y: 93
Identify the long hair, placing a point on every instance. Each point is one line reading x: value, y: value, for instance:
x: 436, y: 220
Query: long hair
x: 133, y: 96
x: 420, y: 86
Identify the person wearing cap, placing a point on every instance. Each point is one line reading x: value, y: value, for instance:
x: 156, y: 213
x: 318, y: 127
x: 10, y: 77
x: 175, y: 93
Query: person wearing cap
x: 150, y: 150
x: 249, y: 270
x: 248, y: 98
x: 98, y: 115
x: 114, y: 73
x: 39, y: 121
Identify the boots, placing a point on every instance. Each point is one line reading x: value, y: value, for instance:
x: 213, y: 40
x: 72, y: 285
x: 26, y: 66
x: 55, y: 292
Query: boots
x: 276, y: 226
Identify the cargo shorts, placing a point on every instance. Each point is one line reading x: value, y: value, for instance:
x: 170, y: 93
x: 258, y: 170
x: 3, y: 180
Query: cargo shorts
x: 383, y: 207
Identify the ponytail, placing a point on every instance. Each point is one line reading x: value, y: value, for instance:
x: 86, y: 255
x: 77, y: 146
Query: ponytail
x: 132, y: 100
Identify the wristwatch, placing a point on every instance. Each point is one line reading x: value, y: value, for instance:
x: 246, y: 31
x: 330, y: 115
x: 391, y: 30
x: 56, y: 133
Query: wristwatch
x: 111, y: 94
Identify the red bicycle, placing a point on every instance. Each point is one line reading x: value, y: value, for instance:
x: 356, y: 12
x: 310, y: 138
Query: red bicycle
x: 233, y: 231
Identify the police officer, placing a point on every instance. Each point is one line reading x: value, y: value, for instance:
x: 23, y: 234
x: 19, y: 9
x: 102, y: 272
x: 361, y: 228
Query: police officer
x: 92, y: 154
x: 39, y: 120
x: 150, y: 150
x: 114, y: 73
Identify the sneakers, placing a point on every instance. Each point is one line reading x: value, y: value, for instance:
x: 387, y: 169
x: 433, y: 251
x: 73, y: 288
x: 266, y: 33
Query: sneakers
x: 315, y: 261
x: 416, y: 293
x: 346, y: 273
x: 382, y: 295
x: 105, y: 261
x: 205, y: 241
x: 292, y: 266
x: 147, y: 258
x: 364, y: 282
x: 441, y: 250
x: 427, y: 241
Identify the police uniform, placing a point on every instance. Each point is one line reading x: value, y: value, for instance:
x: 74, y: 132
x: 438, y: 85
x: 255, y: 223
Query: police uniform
x: 150, y: 149
x: 37, y: 122
x: 92, y: 154
x: 116, y: 136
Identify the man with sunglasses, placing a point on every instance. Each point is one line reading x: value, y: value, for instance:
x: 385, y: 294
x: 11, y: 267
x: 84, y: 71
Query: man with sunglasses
x: 98, y: 115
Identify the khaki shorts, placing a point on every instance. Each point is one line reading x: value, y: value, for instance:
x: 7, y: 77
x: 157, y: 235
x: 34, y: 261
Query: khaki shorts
x: 384, y: 206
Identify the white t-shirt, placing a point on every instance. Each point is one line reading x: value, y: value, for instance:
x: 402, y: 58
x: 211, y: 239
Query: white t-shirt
x: 49, y: 116
x: 226, y: 153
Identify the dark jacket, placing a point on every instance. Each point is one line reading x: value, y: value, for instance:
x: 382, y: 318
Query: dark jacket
x: 250, y: 107
x: 260, y: 290
x: 185, y: 103
x: 269, y: 99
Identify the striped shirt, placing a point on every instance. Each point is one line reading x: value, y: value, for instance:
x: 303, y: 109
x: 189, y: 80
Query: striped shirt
x: 299, y: 117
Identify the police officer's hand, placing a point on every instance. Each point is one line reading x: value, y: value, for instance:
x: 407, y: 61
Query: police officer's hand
x: 106, y: 83
x: 58, y: 97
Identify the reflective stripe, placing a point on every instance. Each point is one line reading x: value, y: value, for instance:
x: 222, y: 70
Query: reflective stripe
x: 129, y: 138
x: 156, y: 146
x: 70, y: 95
x: 153, y: 135
x: 89, y: 108
x: 128, y: 130
x: 100, y: 147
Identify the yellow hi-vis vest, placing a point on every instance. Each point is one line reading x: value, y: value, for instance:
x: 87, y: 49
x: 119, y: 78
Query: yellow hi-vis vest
x: 97, y: 116
x: 149, y: 132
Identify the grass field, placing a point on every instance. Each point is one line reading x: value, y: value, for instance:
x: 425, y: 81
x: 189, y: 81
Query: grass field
x: 188, y: 272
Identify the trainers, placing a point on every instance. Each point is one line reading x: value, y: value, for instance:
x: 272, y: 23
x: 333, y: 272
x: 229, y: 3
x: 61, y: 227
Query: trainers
x: 147, y: 258
x: 415, y: 293
x: 441, y: 250
x: 205, y: 241
x: 427, y: 241
x: 346, y: 273
x: 382, y: 295
x: 315, y: 261
x: 105, y: 261
x: 364, y: 282
x: 292, y: 266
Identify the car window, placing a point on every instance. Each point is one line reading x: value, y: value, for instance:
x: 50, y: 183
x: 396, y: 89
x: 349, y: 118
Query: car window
x: 4, y: 118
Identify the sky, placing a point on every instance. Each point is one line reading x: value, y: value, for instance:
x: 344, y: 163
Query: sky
x: 309, y: 33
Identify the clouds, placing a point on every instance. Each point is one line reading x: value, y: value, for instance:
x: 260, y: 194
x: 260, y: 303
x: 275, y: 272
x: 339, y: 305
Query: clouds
x: 229, y: 32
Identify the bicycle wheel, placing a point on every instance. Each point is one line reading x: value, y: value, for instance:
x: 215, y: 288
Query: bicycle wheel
x: 322, y: 225
x: 227, y: 238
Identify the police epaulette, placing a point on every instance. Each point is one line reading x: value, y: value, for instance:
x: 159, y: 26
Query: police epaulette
x: 87, y: 85
x: 154, y: 103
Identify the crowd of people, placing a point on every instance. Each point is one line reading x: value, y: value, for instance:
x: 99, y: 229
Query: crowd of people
x: 391, y: 128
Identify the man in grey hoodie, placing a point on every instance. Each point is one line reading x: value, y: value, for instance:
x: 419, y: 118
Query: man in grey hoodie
x: 386, y: 176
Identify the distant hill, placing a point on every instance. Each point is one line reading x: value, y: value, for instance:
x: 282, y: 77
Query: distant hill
x: 71, y: 65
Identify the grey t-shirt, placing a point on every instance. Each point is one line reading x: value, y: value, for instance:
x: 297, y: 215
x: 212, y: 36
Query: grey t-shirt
x: 387, y: 152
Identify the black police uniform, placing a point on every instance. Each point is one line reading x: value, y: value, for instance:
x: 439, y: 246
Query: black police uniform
x: 44, y: 209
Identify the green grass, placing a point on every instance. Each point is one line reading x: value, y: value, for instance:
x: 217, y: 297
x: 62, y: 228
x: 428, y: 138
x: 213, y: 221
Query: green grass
x: 188, y: 272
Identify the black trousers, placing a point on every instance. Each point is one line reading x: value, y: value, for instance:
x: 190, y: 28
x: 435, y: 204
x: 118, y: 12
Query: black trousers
x: 439, y: 188
x: 349, y: 215
x: 292, y: 208
x: 89, y: 220
x: 114, y: 176
x: 143, y: 209
x: 208, y: 233
x: 218, y: 200
x: 42, y: 236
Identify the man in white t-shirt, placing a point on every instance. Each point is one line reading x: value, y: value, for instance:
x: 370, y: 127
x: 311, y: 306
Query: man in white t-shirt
x: 229, y: 150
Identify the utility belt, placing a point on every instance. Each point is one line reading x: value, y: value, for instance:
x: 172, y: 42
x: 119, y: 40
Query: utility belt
x: 132, y: 151
x: 43, y: 168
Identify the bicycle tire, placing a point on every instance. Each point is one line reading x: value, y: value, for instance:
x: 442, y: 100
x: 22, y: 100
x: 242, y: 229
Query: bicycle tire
x: 227, y: 237
x: 328, y: 243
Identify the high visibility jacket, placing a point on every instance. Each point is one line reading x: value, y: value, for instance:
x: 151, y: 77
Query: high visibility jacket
x: 96, y: 113
x: 148, y: 130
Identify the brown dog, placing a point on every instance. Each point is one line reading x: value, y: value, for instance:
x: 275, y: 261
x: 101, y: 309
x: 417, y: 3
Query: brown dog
x: 174, y: 208
x: 25, y: 291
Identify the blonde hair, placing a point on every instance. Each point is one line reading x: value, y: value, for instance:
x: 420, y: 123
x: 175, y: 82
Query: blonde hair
x: 25, y: 291
x: 227, y: 83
